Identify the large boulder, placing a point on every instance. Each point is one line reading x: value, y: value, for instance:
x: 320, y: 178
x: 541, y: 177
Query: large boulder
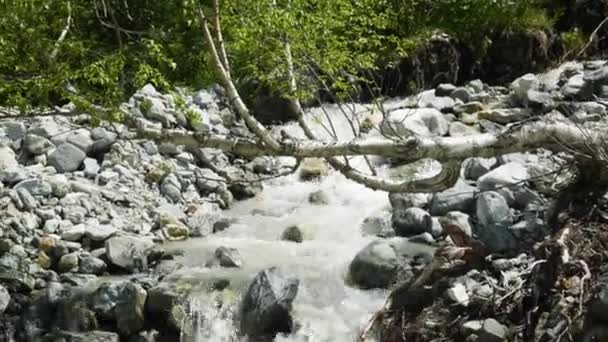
x: 411, y: 221
x: 459, y: 198
x: 266, y: 307
x: 495, y: 218
x: 66, y: 158
x: 376, y: 266
x: 36, y: 145
x: 122, y: 303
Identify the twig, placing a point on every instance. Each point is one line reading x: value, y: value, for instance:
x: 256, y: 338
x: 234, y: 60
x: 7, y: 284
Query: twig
x: 592, y: 37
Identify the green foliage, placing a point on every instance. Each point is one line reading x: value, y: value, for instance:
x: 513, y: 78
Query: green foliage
x: 145, y: 106
x: 574, y: 39
x: 114, y: 47
x: 193, y: 117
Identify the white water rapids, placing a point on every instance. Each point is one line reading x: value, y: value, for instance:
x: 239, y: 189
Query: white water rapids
x: 327, y: 308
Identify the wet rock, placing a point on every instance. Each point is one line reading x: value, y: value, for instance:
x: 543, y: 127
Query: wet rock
x: 459, y: 198
x: 221, y: 225
x: 123, y: 303
x: 228, y: 257
x: 313, y: 168
x: 266, y: 307
x: 423, y: 122
x: 376, y: 266
x: 293, y: 234
x: 244, y: 184
x: 36, y: 145
x: 66, y: 158
x: 411, y: 221
x: 319, y: 197
x: 5, y: 299
x: 89, y: 336
x: 128, y: 252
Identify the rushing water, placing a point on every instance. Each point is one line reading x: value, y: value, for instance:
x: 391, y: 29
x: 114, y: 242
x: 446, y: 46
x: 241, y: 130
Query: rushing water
x: 326, y: 308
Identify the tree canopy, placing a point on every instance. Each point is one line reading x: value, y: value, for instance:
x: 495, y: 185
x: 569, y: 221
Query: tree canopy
x: 101, y: 51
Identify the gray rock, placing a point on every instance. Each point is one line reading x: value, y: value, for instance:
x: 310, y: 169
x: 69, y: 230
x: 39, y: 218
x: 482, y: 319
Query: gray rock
x: 423, y: 122
x: 91, y: 167
x: 89, y: 336
x: 540, y: 100
x: 461, y: 93
x: 36, y: 187
x: 458, y: 129
x: 458, y: 294
x: 459, y: 198
x: 522, y: 85
x: 477, y: 167
x: 376, y: 266
x: 8, y: 161
x: 509, y: 174
x: 424, y: 238
x: 123, y: 303
x: 492, y: 331
x: 81, y: 138
x: 444, y: 89
x: 91, y: 265
x: 476, y: 85
x: 246, y: 184
x: 102, y: 141
x: 428, y: 99
x: 68, y: 262
x: 66, y: 158
x: 411, y: 221
x: 74, y: 233
x: 128, y: 252
x: 60, y: 185
x: 505, y: 115
x: 29, y: 202
x: 577, y: 88
x: 319, y: 197
x: 228, y: 257
x: 293, y: 234
x: 36, y: 145
x: 5, y: 299
x: 203, y: 220
x: 266, y: 307
x: 492, y: 209
x: 402, y: 201
x: 99, y: 232
x: 462, y: 220
x: 14, y: 130
x: 171, y: 187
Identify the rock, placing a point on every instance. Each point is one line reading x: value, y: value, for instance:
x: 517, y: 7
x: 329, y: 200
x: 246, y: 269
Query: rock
x: 8, y: 162
x: 36, y: 187
x: 68, y: 262
x: 66, y: 158
x: 540, y: 100
x: 319, y: 197
x: 202, y: 221
x: 245, y: 184
x: 221, y: 225
x: 266, y: 307
x: 99, y: 232
x: 102, y: 141
x: 91, y: 167
x: 406, y: 200
x: 60, y: 185
x: 477, y: 167
x: 74, y: 233
x: 123, y: 303
x: 171, y: 187
x: 313, y: 168
x: 509, y: 175
x: 458, y: 129
x: 424, y: 238
x: 5, y: 299
x: 407, y: 122
x: 29, y: 202
x: 376, y: 266
x: 444, y: 89
x: 492, y: 209
x: 462, y: 220
x: 37, y: 145
x: 577, y: 88
x: 228, y: 257
x: 293, y: 234
x: 428, y: 99
x: 89, y: 336
x: 522, y: 85
x: 505, y: 115
x: 492, y: 331
x: 459, y: 198
x: 458, y: 294
x: 81, y: 138
x: 469, y: 107
x: 128, y: 252
x: 461, y: 93
x: 91, y: 265
x: 411, y: 221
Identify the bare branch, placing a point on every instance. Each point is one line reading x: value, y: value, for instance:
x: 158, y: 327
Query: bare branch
x: 219, y: 36
x: 64, y: 33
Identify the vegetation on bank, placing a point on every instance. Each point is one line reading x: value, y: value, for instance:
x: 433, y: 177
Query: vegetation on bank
x: 54, y: 51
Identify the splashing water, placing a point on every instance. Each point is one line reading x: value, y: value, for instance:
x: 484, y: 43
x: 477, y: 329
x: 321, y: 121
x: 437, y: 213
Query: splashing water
x: 327, y: 308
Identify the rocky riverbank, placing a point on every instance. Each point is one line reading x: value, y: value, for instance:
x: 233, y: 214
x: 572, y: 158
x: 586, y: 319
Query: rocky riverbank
x: 87, y: 213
